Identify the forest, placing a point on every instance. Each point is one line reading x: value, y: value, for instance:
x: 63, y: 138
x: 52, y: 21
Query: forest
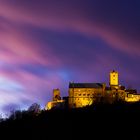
x: 100, y: 121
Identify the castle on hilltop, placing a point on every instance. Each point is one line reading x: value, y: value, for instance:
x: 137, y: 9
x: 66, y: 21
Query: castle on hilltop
x: 85, y: 94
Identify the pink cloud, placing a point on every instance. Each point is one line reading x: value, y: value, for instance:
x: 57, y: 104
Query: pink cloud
x: 19, y: 47
x: 71, y: 16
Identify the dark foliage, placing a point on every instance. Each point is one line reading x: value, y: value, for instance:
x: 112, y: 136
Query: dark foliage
x: 101, y: 121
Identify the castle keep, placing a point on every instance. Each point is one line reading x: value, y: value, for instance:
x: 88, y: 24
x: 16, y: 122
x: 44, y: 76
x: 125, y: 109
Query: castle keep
x: 82, y: 94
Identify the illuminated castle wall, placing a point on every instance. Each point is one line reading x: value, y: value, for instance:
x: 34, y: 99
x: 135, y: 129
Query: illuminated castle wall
x: 83, y: 94
x: 56, y: 100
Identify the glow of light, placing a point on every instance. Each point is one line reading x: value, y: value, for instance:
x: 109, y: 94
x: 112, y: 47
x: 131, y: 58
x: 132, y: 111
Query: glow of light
x: 133, y: 98
x: 9, y: 85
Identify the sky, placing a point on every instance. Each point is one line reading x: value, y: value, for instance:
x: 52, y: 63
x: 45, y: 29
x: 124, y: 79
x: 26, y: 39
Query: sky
x: 45, y: 44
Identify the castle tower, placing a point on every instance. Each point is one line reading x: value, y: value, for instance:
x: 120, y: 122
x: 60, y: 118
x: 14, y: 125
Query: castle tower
x: 56, y: 95
x: 114, y: 79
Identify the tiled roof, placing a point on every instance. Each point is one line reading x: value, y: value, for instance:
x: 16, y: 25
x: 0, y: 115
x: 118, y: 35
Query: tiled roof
x: 85, y: 85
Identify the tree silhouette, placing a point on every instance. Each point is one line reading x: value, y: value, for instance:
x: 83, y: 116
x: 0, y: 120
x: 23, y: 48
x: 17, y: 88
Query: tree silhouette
x: 35, y: 108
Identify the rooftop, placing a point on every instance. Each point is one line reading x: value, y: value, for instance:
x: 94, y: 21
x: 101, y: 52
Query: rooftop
x: 85, y: 85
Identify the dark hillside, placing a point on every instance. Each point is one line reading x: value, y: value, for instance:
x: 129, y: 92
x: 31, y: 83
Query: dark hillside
x: 102, y: 121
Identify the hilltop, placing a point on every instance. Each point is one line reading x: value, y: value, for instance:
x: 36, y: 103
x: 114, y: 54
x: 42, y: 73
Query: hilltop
x: 118, y: 120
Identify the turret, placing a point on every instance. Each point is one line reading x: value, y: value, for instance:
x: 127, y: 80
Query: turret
x: 56, y: 95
